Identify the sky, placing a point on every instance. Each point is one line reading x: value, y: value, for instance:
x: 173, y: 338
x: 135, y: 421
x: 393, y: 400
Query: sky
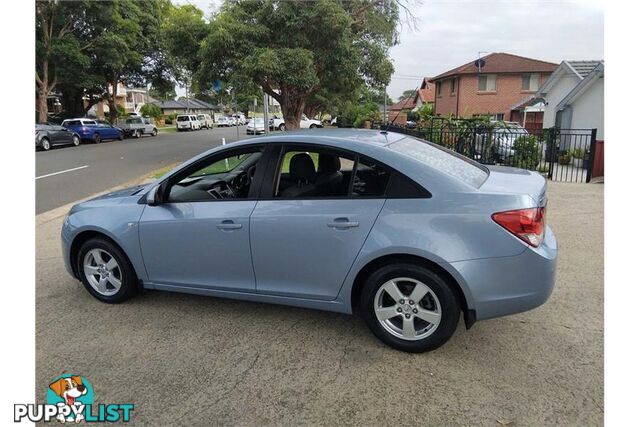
x: 449, y: 33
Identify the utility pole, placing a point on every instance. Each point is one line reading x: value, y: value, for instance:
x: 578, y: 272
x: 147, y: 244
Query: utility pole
x: 265, y: 111
x: 384, y: 117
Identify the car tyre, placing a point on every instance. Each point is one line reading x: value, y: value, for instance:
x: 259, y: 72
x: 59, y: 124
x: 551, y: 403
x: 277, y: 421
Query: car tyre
x: 138, y: 133
x: 122, y: 273
x: 75, y: 140
x: 97, y: 139
x: 154, y: 132
x: 438, y: 304
x: 313, y: 127
x: 281, y: 127
x: 45, y: 144
x: 120, y: 136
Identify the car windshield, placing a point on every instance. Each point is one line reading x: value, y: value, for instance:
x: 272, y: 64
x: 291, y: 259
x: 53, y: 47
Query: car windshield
x: 183, y: 118
x: 444, y: 160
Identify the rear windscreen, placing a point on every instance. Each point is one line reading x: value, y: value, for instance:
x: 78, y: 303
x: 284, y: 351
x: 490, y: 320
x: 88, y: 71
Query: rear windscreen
x: 441, y: 159
x: 183, y: 118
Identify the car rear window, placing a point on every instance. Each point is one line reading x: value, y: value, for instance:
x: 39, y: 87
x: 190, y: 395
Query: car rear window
x: 72, y: 123
x: 88, y: 122
x: 444, y: 160
x: 183, y: 118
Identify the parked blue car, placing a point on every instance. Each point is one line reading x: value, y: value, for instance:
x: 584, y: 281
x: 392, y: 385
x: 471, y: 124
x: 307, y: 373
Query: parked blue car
x: 93, y: 130
x: 405, y: 233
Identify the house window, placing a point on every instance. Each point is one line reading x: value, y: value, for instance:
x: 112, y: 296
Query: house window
x: 439, y: 88
x: 487, y: 83
x: 530, y: 82
x: 499, y: 116
x: 453, y: 86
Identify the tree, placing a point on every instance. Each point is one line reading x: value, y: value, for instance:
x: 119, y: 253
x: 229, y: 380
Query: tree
x: 284, y: 47
x: 56, y: 45
x: 183, y: 30
x: 125, y: 51
x: 410, y: 93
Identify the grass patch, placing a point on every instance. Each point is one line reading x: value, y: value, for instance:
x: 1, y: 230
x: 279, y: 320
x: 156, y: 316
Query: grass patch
x: 168, y: 129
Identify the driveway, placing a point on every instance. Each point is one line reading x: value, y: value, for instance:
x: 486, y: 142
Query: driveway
x: 185, y: 359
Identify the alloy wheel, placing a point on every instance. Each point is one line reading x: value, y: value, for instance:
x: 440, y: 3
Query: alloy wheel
x: 46, y: 145
x: 102, y: 272
x: 407, y: 308
x: 76, y: 140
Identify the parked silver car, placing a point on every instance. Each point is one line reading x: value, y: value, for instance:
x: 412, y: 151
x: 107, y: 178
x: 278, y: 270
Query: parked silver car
x: 405, y: 233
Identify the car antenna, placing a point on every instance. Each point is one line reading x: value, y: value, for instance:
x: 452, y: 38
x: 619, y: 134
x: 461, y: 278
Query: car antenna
x: 403, y: 104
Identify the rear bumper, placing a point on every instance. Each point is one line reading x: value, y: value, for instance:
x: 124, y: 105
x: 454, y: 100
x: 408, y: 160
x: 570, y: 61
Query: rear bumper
x: 509, y: 285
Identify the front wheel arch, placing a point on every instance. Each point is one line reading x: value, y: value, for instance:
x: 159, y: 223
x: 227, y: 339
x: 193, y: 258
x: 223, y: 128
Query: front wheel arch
x: 372, y: 266
x: 86, y: 235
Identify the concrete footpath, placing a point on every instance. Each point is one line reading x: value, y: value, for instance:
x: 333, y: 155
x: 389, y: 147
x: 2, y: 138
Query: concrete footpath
x: 190, y: 360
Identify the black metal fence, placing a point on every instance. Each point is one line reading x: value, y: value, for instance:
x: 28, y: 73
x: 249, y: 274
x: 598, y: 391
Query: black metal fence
x: 560, y: 154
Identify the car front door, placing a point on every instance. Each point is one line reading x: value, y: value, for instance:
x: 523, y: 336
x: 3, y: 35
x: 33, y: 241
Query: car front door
x: 198, y: 236
x: 309, y: 226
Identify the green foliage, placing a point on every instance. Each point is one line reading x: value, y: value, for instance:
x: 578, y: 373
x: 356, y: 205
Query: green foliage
x: 527, y: 152
x: 367, y: 112
x: 151, y: 110
x: 425, y: 112
x: 295, y: 51
x: 121, y: 113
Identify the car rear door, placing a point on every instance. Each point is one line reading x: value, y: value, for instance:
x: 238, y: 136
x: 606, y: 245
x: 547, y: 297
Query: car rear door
x: 303, y: 242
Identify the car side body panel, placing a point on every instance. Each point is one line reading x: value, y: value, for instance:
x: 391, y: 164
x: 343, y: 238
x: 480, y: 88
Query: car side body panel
x: 112, y: 215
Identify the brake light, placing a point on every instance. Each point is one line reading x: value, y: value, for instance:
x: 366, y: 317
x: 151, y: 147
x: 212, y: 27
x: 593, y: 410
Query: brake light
x: 525, y: 224
x: 84, y: 129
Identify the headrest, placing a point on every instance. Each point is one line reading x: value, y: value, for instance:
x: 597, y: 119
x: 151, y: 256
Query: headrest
x: 328, y: 163
x: 301, y: 168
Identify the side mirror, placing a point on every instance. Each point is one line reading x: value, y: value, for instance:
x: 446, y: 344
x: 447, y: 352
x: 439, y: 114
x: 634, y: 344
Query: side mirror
x: 153, y: 196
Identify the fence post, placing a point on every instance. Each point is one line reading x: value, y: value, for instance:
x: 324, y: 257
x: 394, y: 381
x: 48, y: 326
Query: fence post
x: 592, y: 153
x: 551, y: 142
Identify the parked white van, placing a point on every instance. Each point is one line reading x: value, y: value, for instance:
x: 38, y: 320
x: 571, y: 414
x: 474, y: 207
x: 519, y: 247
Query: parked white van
x: 205, y: 121
x: 187, y: 122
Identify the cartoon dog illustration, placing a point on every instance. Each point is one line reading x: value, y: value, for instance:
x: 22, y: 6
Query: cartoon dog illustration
x: 69, y: 389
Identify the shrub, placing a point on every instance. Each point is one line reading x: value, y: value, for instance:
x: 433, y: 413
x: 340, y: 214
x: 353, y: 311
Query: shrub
x: 527, y: 152
x: 151, y: 110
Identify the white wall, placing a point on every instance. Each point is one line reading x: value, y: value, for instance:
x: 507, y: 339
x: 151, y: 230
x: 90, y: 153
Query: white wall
x: 588, y: 109
x: 557, y: 93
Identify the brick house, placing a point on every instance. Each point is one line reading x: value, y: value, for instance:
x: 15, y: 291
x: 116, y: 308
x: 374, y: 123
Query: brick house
x: 424, y: 95
x: 494, y: 84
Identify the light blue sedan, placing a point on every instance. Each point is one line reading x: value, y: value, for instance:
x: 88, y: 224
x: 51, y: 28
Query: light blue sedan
x: 405, y: 233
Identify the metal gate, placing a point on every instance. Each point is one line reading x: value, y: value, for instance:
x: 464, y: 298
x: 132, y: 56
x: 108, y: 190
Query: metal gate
x: 560, y: 154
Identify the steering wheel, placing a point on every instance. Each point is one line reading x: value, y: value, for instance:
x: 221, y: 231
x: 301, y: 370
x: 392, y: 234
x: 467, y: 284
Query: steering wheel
x: 221, y: 190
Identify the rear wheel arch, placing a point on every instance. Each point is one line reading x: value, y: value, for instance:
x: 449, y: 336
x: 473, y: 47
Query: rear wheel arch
x: 375, y: 264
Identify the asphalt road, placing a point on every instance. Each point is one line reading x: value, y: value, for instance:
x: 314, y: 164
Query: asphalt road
x: 190, y: 360
x: 66, y: 174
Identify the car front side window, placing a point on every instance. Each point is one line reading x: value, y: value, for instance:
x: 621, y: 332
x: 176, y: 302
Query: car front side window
x: 222, y: 177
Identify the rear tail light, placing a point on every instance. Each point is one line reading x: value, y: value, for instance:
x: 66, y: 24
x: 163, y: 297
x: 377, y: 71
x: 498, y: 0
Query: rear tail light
x: 525, y: 224
x: 84, y: 129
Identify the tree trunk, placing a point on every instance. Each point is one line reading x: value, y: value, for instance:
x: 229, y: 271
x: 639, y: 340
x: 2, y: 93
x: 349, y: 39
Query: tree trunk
x: 42, y: 83
x: 113, y: 109
x: 311, y: 110
x: 41, y: 105
x: 292, y: 109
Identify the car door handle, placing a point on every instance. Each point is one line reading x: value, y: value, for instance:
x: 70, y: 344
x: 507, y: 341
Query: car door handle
x: 228, y: 225
x: 343, y: 223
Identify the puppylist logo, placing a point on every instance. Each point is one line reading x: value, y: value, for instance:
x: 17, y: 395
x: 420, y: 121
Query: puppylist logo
x: 70, y: 399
